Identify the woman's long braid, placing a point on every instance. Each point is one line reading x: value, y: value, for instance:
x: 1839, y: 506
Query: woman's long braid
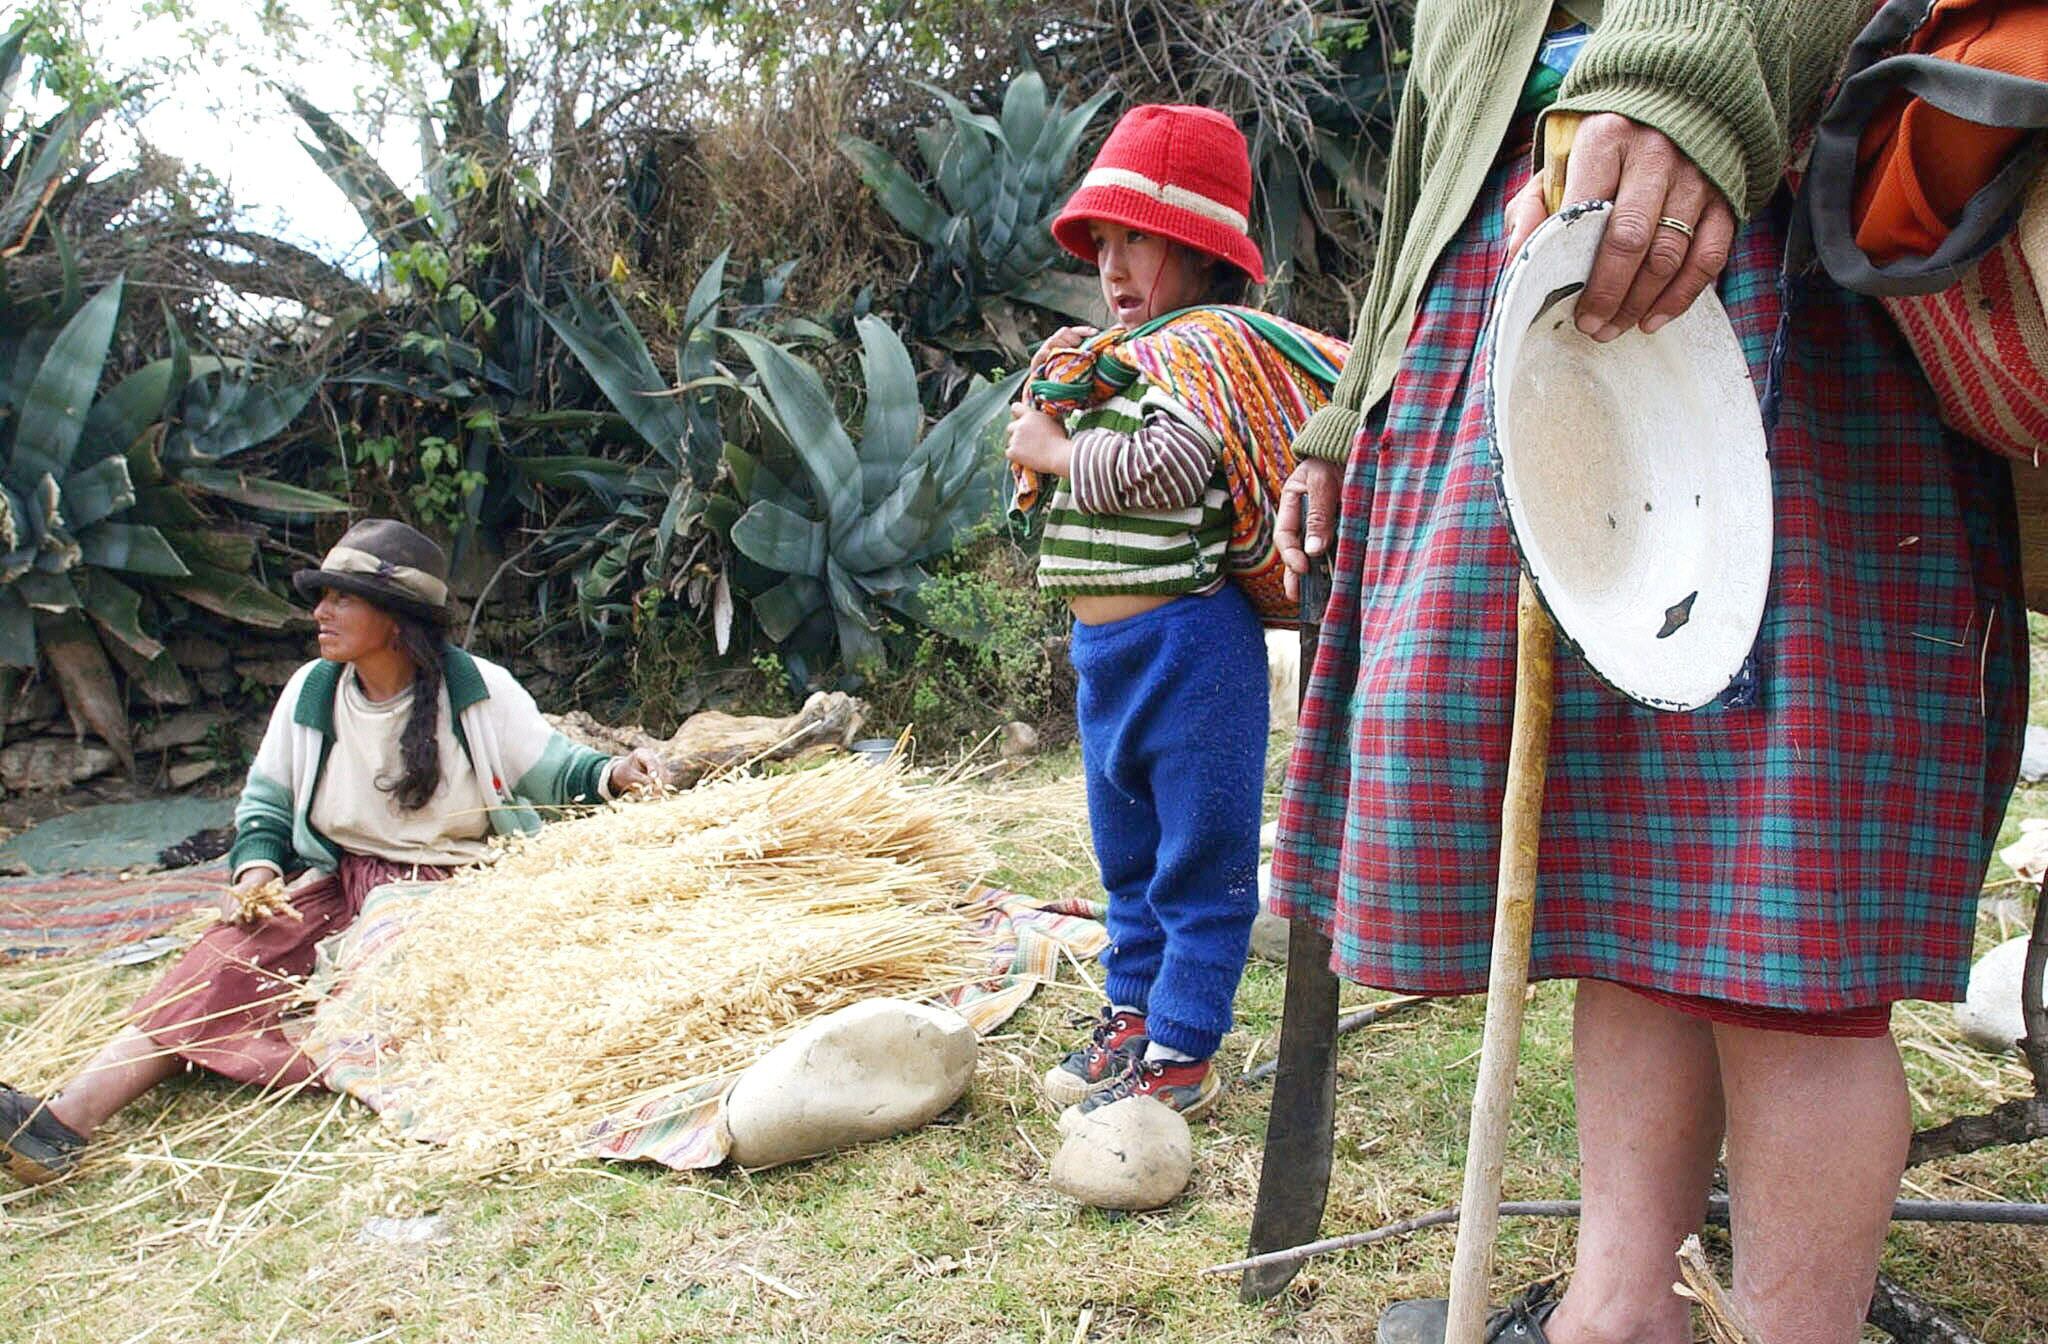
x: 419, y: 744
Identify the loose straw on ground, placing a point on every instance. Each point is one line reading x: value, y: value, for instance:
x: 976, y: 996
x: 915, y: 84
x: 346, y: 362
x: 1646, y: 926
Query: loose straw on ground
x: 636, y: 953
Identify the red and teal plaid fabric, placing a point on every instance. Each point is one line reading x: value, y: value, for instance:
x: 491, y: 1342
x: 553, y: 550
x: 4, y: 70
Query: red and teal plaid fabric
x: 1814, y: 842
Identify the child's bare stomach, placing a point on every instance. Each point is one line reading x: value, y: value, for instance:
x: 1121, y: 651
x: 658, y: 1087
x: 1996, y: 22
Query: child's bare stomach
x: 1102, y: 608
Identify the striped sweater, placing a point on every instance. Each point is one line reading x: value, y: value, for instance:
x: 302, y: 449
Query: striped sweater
x: 1145, y: 509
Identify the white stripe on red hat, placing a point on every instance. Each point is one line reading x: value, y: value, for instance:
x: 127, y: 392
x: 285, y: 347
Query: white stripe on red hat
x: 1167, y: 194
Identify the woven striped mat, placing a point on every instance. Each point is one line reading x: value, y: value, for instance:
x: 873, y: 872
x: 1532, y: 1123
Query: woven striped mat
x: 1029, y: 939
x: 85, y: 912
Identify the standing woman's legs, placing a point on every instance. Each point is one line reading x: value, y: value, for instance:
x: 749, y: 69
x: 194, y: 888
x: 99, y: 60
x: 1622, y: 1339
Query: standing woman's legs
x: 1817, y: 1134
x: 1649, y: 1107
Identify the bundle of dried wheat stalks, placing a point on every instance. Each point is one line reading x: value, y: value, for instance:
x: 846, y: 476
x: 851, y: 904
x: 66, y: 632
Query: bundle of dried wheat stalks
x: 640, y: 951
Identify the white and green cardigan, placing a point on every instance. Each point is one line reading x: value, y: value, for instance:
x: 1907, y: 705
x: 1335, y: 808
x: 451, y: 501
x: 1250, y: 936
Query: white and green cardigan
x: 522, y: 763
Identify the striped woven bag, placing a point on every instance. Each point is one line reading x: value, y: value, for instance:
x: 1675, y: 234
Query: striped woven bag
x: 1925, y: 187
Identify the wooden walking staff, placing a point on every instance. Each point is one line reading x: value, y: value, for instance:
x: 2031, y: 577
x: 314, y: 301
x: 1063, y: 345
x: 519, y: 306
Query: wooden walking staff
x: 1507, y: 979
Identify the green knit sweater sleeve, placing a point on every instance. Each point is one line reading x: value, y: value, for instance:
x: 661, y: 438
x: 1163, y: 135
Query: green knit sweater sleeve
x: 1728, y: 80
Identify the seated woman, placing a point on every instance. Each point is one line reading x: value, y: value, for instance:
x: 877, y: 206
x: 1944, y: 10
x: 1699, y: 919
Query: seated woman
x: 394, y: 756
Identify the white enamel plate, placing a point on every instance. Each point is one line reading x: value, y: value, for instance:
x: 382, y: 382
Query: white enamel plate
x: 1633, y: 475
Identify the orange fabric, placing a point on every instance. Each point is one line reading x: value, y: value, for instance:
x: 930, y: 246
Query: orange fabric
x: 1918, y: 165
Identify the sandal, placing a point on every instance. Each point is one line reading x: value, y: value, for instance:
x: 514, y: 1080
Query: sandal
x: 1519, y: 1322
x: 35, y: 1146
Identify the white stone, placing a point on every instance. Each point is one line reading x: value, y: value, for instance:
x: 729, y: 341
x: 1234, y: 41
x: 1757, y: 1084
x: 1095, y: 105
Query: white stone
x: 1020, y: 740
x: 1269, y: 931
x: 1989, y: 1015
x: 2034, y: 755
x: 52, y: 763
x: 878, y: 1068
x: 1283, y: 679
x: 1132, y: 1154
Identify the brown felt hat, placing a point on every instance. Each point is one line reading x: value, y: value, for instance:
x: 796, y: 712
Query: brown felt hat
x: 395, y: 566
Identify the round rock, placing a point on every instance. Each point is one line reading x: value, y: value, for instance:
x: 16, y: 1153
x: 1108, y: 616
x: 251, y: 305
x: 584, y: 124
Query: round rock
x: 1269, y: 931
x: 1020, y: 740
x: 1132, y: 1154
x: 877, y: 1068
x: 1989, y: 1015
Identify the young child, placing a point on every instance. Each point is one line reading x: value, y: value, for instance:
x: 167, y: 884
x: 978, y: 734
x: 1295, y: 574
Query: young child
x: 1169, y: 436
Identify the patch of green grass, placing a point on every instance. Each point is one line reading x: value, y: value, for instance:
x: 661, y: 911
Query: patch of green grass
x: 949, y: 1234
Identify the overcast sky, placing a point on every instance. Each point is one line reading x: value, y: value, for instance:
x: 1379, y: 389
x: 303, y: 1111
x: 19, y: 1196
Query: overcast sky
x: 225, y: 119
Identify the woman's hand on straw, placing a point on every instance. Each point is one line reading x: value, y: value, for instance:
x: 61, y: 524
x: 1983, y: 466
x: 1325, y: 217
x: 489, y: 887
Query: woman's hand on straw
x: 640, y: 770
x: 1307, y: 513
x: 1667, y: 240
x: 1038, y: 441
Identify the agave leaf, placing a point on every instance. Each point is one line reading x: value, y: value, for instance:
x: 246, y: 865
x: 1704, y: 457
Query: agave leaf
x: 631, y: 383
x: 896, y: 190
x: 164, y: 506
x: 889, y: 427
x: 259, y: 492
x: 952, y: 449
x: 83, y: 676
x: 755, y: 480
x: 128, y: 546
x: 787, y: 605
x: 234, y: 596
x: 117, y: 609
x: 126, y: 413
x: 30, y: 191
x: 17, y: 632
x: 891, y: 532
x: 10, y: 69
x: 45, y: 591
x: 704, y: 296
x: 1065, y: 293
x: 782, y: 540
x: 860, y: 640
x: 236, y: 414
x: 100, y: 491
x: 1024, y: 106
x: 157, y: 678
x: 231, y: 551
x: 935, y: 146
x: 804, y: 411
x: 53, y: 410
x: 682, y: 502
x: 386, y: 211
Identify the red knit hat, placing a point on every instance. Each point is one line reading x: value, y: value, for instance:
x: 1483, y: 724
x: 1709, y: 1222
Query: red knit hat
x: 1179, y: 172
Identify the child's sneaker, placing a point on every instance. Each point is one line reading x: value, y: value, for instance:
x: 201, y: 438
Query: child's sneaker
x: 1119, y: 1038
x: 1190, y: 1087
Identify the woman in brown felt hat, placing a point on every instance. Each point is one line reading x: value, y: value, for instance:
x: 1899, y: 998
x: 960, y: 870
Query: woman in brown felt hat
x: 394, y: 756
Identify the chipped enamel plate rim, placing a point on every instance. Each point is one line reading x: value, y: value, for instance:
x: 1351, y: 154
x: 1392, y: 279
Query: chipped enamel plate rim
x: 1633, y: 475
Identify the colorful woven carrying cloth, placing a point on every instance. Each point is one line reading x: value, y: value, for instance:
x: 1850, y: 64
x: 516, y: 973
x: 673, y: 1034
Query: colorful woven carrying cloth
x: 1814, y: 841
x: 1251, y: 377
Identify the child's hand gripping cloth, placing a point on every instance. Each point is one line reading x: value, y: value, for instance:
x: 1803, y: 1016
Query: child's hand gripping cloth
x: 1251, y: 377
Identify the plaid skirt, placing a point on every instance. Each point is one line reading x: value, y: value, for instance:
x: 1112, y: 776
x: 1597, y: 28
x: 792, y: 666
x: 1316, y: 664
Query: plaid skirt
x: 1814, y: 841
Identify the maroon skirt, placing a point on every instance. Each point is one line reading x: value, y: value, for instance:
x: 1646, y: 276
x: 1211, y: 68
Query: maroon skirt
x: 223, y: 1004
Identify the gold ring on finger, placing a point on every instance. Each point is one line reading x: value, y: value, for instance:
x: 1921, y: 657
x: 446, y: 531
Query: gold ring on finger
x: 1676, y: 225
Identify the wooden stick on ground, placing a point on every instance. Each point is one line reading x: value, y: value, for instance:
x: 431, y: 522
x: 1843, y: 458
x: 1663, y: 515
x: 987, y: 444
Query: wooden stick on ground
x: 1514, y: 918
x: 1724, y: 1323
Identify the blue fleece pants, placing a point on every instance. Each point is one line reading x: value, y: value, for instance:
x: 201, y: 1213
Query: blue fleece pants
x: 1172, y: 710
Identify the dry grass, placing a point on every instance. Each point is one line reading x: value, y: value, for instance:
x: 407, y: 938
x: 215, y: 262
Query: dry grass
x: 212, y: 1215
x: 634, y: 954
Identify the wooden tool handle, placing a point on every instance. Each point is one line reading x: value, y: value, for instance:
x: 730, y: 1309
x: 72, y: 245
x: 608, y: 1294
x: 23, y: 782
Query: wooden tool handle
x: 1514, y: 918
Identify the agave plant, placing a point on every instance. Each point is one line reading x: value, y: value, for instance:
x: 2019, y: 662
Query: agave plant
x: 1000, y: 182
x: 647, y: 532
x: 99, y: 501
x: 875, y: 508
